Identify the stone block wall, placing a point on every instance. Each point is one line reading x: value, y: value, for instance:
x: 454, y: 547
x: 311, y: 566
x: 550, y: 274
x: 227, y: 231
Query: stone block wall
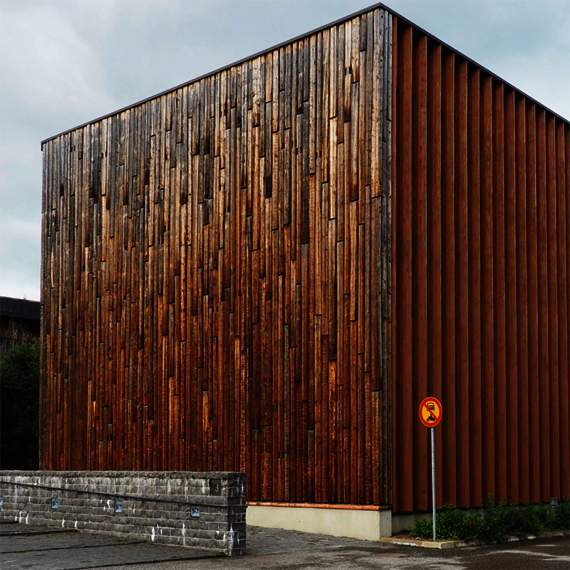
x: 204, y: 510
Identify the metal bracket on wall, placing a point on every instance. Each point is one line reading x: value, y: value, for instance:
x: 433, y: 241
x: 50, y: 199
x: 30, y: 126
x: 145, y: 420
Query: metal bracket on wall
x: 195, y: 511
x: 54, y: 503
x: 215, y: 487
x: 118, y: 506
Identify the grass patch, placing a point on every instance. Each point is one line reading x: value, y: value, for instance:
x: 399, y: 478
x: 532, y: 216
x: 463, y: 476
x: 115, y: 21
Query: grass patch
x: 494, y: 522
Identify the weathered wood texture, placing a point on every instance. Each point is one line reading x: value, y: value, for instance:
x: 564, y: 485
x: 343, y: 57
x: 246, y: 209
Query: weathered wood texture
x: 481, y: 256
x: 215, y: 278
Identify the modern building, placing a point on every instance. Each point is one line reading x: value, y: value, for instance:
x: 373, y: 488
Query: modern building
x: 268, y: 268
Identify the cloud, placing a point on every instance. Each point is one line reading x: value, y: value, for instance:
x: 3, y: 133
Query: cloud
x: 19, y: 171
x: 19, y: 258
x: 53, y: 69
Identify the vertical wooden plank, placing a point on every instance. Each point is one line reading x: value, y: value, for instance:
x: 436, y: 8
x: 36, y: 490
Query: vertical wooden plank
x: 420, y: 256
x: 388, y: 237
x: 543, y: 302
x: 532, y: 281
x: 405, y: 265
x: 553, y: 306
x: 475, y: 290
x: 533, y: 331
x: 499, y: 290
x: 511, y: 294
x: 448, y: 278
x: 435, y: 363
x: 332, y: 361
x: 522, y: 302
x: 563, y: 195
x: 43, y: 391
x: 370, y: 440
x: 462, y: 283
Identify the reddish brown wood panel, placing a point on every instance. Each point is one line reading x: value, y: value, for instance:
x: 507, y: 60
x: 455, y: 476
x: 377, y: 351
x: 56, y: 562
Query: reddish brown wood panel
x: 267, y: 269
x: 216, y: 276
x: 495, y: 286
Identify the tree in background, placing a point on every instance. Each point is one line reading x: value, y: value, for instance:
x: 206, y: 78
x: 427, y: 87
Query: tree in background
x: 19, y: 406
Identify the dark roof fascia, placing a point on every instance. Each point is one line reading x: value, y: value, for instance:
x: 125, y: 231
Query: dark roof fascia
x: 20, y: 308
x: 342, y: 20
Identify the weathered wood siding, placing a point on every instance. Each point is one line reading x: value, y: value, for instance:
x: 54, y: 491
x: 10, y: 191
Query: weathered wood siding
x: 481, y: 256
x: 215, y: 278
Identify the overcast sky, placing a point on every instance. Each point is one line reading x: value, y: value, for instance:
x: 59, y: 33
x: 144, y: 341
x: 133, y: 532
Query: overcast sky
x: 65, y: 62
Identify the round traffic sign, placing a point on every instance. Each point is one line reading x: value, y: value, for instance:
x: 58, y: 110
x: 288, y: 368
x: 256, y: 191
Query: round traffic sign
x: 430, y: 412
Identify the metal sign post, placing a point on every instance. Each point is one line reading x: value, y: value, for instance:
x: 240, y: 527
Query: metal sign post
x: 433, y: 478
x: 430, y: 414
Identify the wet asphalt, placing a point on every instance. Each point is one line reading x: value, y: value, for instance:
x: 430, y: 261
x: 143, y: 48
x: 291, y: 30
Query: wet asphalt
x: 26, y: 547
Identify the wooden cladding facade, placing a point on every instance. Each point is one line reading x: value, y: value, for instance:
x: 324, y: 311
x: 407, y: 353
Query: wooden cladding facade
x: 216, y: 276
x: 480, y: 281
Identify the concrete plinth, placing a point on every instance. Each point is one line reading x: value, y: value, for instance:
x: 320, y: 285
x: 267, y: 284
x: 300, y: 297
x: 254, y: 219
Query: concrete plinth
x: 368, y: 523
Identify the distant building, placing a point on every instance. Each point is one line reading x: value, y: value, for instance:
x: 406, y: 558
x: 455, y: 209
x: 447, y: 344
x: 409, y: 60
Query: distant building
x: 19, y: 321
x: 267, y: 269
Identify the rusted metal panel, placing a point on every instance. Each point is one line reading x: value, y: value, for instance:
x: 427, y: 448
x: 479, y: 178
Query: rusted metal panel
x: 496, y: 285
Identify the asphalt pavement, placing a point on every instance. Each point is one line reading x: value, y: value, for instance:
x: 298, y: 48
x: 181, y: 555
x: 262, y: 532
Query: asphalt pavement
x: 26, y: 547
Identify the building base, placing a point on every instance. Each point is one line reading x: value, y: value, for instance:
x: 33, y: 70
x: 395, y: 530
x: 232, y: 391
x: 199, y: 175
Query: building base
x: 354, y: 521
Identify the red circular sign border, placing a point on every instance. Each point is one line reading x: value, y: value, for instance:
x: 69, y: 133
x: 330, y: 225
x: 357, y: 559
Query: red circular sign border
x: 424, y: 403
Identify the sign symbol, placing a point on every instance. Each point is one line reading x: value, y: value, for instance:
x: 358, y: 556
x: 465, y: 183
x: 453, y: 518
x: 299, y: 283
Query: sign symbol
x: 430, y: 412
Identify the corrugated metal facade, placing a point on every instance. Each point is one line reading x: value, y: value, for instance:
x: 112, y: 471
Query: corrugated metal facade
x: 480, y: 281
x: 213, y: 260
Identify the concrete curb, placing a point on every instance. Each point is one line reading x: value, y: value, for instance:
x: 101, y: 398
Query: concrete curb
x: 430, y: 543
x: 464, y: 543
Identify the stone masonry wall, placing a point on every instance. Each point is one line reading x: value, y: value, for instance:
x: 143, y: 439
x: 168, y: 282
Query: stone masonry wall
x: 205, y: 510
